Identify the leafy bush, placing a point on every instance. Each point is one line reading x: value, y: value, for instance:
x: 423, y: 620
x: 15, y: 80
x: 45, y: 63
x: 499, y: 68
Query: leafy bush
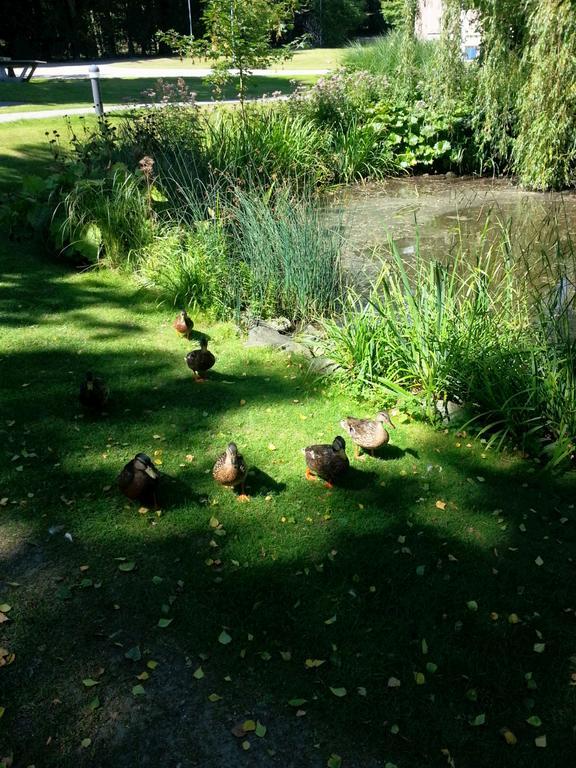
x: 109, y: 218
x: 419, y: 135
x: 337, y: 100
x: 186, y: 266
x: 385, y: 57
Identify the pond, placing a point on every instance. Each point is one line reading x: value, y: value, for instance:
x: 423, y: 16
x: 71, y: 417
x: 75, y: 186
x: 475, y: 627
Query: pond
x: 442, y: 210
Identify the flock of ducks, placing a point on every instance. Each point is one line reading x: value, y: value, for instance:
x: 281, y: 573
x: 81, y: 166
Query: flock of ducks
x: 139, y: 478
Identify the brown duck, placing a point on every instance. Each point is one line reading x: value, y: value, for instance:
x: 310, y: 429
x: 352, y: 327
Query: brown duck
x: 200, y: 360
x: 93, y: 393
x: 230, y: 470
x: 327, y: 461
x: 139, y: 479
x: 183, y: 324
x: 368, y: 433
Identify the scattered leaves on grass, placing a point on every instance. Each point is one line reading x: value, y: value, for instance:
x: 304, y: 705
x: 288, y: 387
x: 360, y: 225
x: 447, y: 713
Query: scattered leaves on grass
x: 393, y: 682
x: 534, y: 721
x: 260, y: 729
x: 472, y: 605
x: 138, y: 690
x: 85, y: 743
x: 331, y: 620
x: 198, y: 674
x: 541, y: 741
x: 2, y: 710
x: 88, y: 682
x: 539, y: 561
x: 127, y: 566
x: 338, y: 692
x: 214, y: 697
x: 151, y: 664
x: 163, y: 623
x: 224, y: 638
x: 297, y: 702
x: 334, y: 761
x: 311, y: 663
x: 134, y: 653
x: 440, y: 504
x: 508, y: 736
x: 6, y: 658
x: 478, y: 720
x: 539, y: 647
x: 5, y: 608
x: 94, y: 704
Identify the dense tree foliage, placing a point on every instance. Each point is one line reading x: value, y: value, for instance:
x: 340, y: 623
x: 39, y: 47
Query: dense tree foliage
x: 58, y: 29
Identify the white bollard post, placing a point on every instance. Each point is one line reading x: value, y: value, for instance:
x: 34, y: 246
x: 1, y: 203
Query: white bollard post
x: 94, y: 75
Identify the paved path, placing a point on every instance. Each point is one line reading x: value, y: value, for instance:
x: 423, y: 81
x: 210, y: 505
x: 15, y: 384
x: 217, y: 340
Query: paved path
x: 74, y: 71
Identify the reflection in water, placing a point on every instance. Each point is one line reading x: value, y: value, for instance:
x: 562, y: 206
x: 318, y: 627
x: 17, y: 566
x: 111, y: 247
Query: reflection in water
x: 445, y: 212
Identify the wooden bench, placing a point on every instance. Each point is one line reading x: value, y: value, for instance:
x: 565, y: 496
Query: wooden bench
x: 20, y: 70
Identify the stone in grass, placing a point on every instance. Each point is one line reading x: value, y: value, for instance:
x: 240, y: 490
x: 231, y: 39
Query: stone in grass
x: 263, y: 336
x: 280, y: 324
x: 450, y: 411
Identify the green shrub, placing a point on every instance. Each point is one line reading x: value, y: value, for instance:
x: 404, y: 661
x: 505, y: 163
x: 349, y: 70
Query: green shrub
x: 385, y: 57
x: 107, y: 219
x: 186, y: 267
x: 338, y: 100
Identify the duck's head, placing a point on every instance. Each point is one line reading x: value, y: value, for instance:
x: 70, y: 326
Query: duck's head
x: 232, y: 453
x: 183, y: 315
x: 384, y: 417
x: 144, y: 463
x: 339, y: 446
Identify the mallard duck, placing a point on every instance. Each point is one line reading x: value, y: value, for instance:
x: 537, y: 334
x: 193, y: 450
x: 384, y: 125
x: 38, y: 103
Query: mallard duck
x: 200, y: 360
x: 230, y: 470
x: 139, y: 479
x: 183, y: 324
x: 93, y: 393
x: 368, y: 433
x: 327, y: 461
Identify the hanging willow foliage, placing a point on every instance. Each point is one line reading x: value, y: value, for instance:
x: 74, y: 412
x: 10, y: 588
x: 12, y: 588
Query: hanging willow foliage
x: 448, y: 81
x: 545, y: 149
x: 525, y: 115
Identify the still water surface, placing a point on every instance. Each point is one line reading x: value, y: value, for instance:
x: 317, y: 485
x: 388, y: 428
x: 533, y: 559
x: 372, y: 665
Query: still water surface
x: 444, y: 210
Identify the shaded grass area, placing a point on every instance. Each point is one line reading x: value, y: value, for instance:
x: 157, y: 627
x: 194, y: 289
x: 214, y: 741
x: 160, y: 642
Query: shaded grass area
x: 25, y: 148
x: 437, y: 565
x: 53, y: 94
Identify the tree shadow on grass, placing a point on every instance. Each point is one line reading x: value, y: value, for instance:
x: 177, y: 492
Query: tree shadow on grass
x: 371, y: 608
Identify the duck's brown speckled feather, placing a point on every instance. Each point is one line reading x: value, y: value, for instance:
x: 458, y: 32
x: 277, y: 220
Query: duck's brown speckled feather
x: 228, y: 473
x: 367, y: 433
x: 325, y: 462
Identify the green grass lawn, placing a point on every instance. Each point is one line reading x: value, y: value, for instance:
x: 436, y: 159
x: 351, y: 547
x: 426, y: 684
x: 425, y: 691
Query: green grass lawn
x: 437, y: 565
x: 67, y: 94
x: 313, y: 58
x: 402, y: 619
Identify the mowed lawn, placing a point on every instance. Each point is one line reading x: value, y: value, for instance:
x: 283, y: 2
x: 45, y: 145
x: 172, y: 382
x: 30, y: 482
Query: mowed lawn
x: 420, y: 615
x: 44, y: 93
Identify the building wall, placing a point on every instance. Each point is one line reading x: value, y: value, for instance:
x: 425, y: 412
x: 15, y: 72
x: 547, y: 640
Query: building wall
x: 429, y: 23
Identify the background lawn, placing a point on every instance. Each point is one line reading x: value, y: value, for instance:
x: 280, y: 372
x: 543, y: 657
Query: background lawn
x: 67, y: 94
